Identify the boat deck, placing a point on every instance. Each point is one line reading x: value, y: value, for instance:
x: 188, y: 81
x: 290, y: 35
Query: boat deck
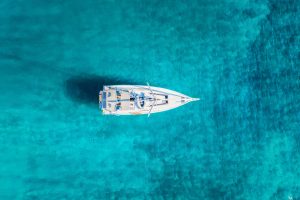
x: 132, y: 100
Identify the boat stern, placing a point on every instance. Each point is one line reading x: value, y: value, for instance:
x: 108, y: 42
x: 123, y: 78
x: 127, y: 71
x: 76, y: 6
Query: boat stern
x: 102, y: 100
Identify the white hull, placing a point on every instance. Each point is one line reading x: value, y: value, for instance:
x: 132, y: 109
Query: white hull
x: 139, y: 99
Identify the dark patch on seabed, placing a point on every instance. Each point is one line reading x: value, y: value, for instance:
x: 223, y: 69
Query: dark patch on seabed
x: 84, y: 89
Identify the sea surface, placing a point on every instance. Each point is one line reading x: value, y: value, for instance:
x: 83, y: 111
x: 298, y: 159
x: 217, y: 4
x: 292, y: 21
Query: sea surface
x: 241, y: 141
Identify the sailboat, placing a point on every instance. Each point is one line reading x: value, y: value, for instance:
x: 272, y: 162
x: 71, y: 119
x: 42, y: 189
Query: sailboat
x: 139, y: 99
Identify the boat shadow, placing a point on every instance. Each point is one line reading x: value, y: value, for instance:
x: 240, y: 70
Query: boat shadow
x: 84, y: 89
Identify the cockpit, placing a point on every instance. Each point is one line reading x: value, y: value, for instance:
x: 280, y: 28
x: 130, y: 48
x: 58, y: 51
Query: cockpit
x: 121, y: 100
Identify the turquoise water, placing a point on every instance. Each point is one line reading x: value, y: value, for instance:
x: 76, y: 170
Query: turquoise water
x: 241, y: 141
